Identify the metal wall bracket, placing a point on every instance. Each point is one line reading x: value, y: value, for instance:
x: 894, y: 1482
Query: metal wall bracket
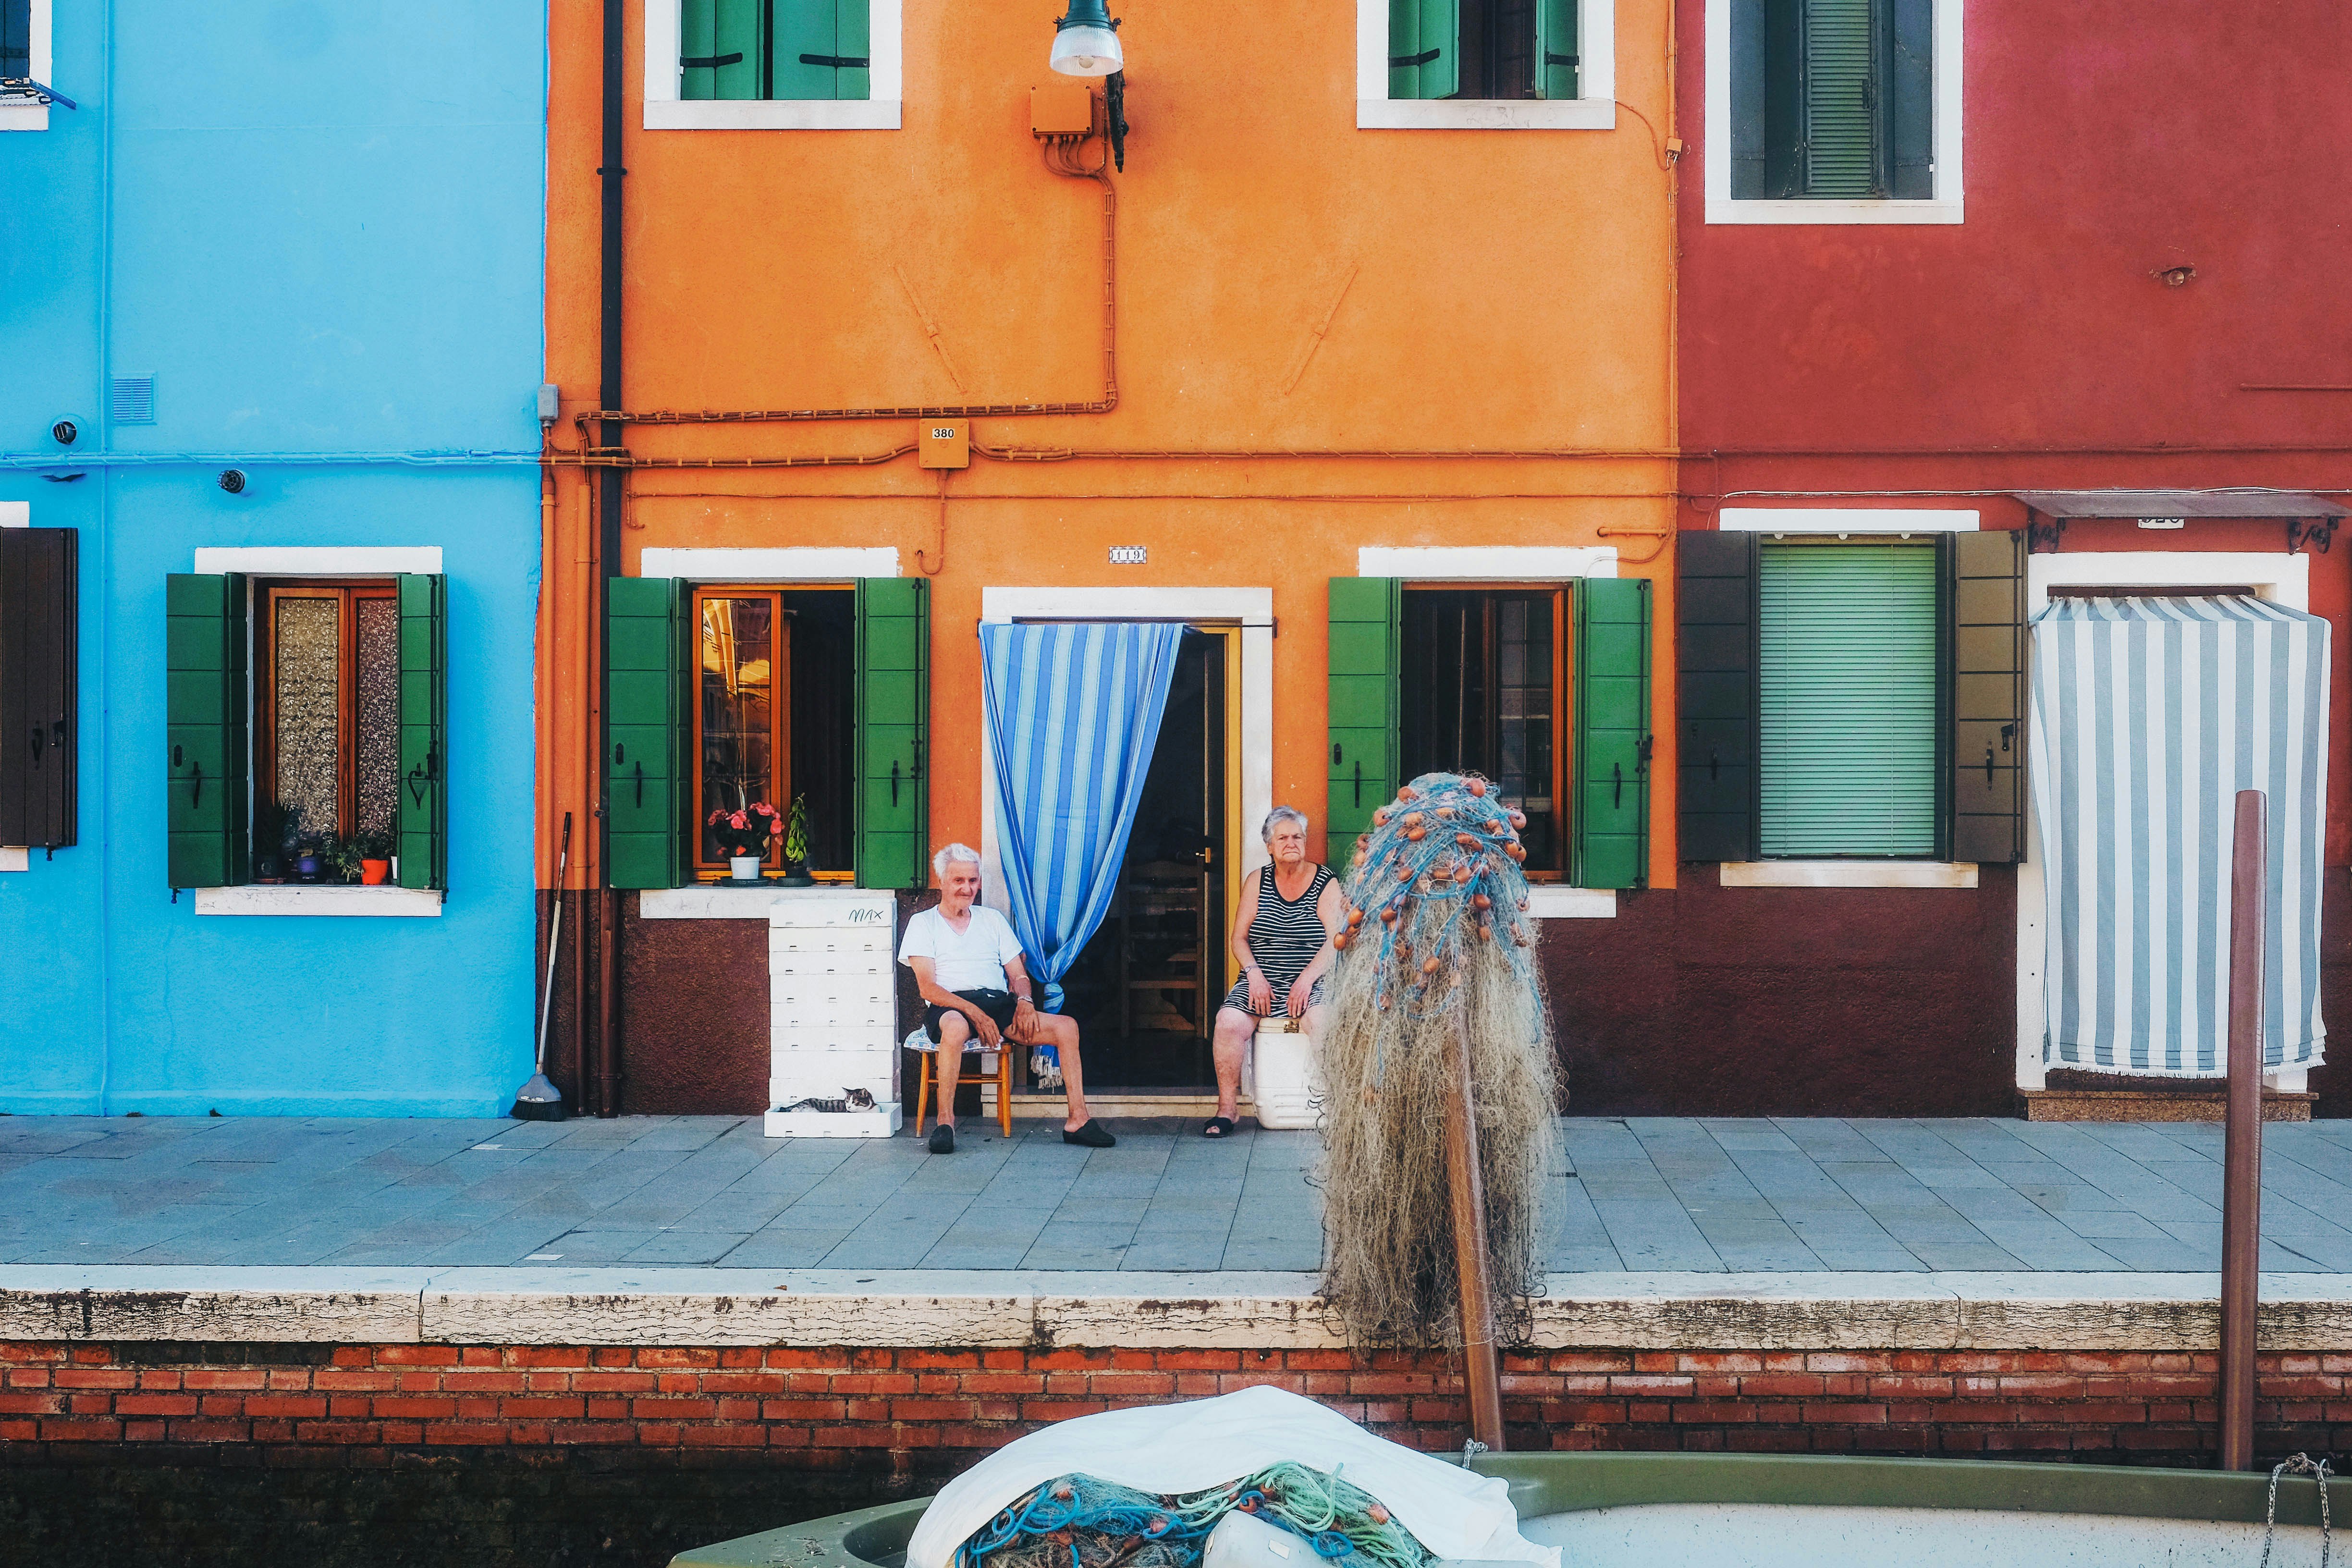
x: 2314, y: 531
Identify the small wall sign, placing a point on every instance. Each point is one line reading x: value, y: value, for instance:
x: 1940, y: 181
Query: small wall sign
x: 2164, y: 523
x: 1126, y: 555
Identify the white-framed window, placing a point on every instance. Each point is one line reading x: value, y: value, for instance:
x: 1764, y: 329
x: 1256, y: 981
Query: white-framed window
x: 24, y: 53
x: 1834, y: 111
x: 1486, y: 65
x: 771, y: 65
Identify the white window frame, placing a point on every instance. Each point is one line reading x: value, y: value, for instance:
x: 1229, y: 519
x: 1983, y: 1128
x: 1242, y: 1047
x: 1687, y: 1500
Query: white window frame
x: 666, y: 110
x: 1594, y: 109
x: 1944, y: 207
x: 21, y: 115
x: 319, y: 560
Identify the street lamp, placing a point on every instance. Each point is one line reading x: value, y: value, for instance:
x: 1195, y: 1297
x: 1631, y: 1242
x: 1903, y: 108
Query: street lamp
x: 1086, y: 41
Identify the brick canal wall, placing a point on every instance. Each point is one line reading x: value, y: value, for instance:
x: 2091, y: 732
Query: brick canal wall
x: 389, y: 1454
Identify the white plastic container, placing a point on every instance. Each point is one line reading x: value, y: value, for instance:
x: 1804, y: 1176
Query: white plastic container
x: 1286, y: 1078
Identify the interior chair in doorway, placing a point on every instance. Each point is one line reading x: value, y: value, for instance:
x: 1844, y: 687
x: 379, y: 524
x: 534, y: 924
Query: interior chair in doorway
x: 928, y: 1075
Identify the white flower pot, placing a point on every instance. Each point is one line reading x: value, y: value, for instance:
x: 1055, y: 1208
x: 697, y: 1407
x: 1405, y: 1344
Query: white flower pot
x: 743, y: 867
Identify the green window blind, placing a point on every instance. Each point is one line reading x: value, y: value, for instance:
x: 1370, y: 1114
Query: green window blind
x: 1365, y: 665
x: 209, y: 753
x: 1841, y: 100
x: 644, y: 721
x: 1425, y: 48
x: 1847, y: 637
x: 1611, y: 762
x: 773, y: 49
x: 424, y: 813
x: 1558, y: 62
x: 894, y: 708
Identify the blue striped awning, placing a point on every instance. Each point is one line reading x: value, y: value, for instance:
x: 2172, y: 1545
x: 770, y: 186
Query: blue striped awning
x: 2148, y: 715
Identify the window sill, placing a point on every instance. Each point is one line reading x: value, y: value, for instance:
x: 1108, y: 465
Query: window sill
x: 710, y: 901
x: 16, y: 857
x: 1554, y: 902
x: 772, y: 114
x: 24, y: 117
x: 1484, y: 115
x: 1849, y: 874
x: 326, y: 901
x: 1834, y: 212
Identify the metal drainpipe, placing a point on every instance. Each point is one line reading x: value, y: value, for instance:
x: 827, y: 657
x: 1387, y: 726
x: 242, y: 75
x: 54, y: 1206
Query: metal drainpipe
x: 608, y: 562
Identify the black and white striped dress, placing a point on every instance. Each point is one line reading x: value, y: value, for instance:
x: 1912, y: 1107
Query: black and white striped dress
x: 1285, y: 935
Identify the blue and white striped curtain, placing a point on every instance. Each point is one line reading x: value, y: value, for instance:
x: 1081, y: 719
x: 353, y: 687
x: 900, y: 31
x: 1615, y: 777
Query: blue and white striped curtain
x: 2148, y: 715
x: 1072, y: 714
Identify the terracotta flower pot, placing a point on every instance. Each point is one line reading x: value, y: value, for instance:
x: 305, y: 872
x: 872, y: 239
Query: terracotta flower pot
x: 373, y: 872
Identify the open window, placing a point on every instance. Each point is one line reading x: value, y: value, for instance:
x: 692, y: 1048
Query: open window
x: 727, y: 695
x: 24, y: 55
x: 1483, y: 49
x: 767, y: 49
x: 1542, y: 688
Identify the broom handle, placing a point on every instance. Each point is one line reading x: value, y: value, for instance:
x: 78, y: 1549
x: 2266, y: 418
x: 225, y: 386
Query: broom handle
x: 1466, y: 1187
x: 554, y: 938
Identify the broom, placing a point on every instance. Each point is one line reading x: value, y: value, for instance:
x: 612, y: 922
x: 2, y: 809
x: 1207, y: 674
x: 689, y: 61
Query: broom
x: 540, y: 1100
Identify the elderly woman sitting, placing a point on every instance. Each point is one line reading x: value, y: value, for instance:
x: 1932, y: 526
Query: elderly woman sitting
x: 1282, y: 936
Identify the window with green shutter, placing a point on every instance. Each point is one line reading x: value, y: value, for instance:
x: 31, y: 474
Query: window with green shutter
x: 773, y: 49
x: 1481, y: 692
x: 1832, y: 99
x: 1483, y: 49
x: 1613, y: 742
x: 894, y: 706
x: 206, y: 733
x: 1850, y: 715
x: 423, y: 801
x: 643, y: 724
x: 1364, y: 666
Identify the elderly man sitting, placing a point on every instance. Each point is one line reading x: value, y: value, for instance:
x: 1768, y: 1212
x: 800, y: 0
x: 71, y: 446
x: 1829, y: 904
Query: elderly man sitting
x: 967, y: 962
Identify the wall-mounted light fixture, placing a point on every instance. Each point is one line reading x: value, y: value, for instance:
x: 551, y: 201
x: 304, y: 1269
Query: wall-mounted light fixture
x: 1086, y: 41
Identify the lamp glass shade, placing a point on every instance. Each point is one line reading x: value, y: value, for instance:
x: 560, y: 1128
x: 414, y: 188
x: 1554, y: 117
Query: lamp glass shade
x: 1085, y: 51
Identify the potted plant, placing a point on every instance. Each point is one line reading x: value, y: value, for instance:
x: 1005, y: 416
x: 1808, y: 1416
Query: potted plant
x: 796, y: 871
x: 338, y: 859
x: 745, y: 834
x: 375, y: 857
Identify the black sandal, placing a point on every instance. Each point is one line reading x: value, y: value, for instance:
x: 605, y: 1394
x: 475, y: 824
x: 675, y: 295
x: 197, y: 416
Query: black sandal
x: 1218, y: 1127
x: 1088, y: 1135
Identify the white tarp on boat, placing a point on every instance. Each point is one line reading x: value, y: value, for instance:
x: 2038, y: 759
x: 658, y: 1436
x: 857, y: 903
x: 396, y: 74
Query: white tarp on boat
x: 1191, y: 1447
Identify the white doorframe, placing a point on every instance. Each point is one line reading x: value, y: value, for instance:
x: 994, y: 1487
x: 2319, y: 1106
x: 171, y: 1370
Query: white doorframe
x: 1250, y: 608
x: 2282, y: 579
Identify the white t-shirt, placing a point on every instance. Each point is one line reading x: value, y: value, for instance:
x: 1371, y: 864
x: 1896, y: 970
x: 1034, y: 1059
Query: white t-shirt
x: 972, y: 959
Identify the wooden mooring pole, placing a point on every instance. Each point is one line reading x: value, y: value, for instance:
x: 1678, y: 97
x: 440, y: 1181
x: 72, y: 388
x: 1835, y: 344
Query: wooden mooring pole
x: 2241, y: 1146
x: 1468, y: 1189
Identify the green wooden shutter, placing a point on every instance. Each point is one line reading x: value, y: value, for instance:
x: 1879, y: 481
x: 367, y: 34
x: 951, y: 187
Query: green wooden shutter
x: 1746, y: 129
x: 424, y: 827
x: 209, y: 751
x: 1365, y: 665
x: 1988, y: 696
x: 644, y: 792
x: 719, y: 48
x: 1841, y: 100
x: 1848, y: 715
x: 1715, y: 675
x: 40, y: 728
x: 894, y: 709
x: 1910, y: 83
x: 820, y: 49
x: 1558, y: 62
x: 1425, y: 48
x: 1612, y: 732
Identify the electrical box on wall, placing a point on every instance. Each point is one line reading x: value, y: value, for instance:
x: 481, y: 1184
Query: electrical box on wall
x: 1065, y: 108
x: 944, y: 444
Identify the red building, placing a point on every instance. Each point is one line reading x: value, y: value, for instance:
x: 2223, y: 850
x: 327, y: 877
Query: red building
x: 1951, y: 267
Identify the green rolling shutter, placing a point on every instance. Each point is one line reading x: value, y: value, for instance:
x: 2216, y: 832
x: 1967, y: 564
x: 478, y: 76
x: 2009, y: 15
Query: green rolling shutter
x: 208, y: 750
x: 719, y: 49
x: 1715, y: 675
x: 1557, y: 63
x: 1848, y: 716
x: 424, y: 827
x: 1612, y: 761
x: 1988, y: 700
x: 1841, y: 100
x: 645, y: 790
x: 1425, y: 48
x: 1362, y: 723
x: 1911, y: 85
x: 894, y: 708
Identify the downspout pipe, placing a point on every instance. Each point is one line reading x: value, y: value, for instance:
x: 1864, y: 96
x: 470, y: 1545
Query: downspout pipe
x: 608, y: 518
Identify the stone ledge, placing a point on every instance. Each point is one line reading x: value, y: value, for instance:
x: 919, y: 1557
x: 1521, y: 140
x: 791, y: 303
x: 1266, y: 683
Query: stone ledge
x: 718, y: 1306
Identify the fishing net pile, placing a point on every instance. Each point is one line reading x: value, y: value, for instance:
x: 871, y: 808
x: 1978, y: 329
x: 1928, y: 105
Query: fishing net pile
x: 1438, y: 943
x: 1083, y: 1522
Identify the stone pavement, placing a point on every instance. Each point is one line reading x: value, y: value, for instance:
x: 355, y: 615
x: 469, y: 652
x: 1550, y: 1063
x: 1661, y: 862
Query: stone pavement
x: 1762, y: 1197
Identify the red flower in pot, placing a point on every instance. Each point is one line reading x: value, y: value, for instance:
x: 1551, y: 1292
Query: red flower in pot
x: 746, y: 835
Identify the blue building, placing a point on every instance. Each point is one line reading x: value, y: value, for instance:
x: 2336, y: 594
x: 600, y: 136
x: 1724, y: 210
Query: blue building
x: 270, y: 293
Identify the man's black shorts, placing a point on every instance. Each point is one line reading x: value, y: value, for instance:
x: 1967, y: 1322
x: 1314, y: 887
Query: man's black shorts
x: 998, y: 1005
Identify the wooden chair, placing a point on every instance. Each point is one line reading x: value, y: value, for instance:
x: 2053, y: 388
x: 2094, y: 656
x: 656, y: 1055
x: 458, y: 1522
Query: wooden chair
x: 1001, y: 1077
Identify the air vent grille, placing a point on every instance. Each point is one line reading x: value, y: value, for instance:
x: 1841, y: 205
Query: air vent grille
x: 133, y: 400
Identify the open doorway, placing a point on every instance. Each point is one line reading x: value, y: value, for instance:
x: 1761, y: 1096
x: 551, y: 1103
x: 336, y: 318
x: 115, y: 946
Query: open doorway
x: 1146, y: 987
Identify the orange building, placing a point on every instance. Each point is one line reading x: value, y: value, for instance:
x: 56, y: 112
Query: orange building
x: 1366, y: 383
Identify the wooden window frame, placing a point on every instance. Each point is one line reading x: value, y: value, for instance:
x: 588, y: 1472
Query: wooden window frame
x: 346, y: 592
x: 1563, y: 667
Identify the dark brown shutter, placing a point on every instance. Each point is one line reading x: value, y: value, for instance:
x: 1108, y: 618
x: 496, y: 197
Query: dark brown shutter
x: 39, y: 725
x: 1715, y: 647
x: 1987, y: 600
